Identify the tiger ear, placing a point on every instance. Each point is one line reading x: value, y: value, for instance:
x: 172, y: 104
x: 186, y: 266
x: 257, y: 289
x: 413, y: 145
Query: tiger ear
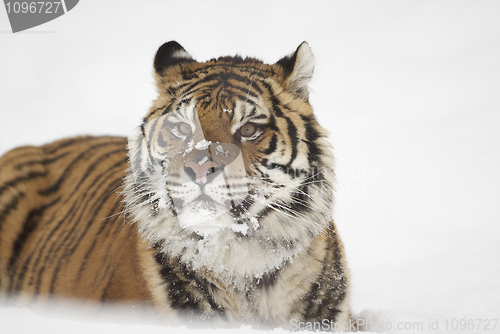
x: 298, y: 68
x: 170, y: 54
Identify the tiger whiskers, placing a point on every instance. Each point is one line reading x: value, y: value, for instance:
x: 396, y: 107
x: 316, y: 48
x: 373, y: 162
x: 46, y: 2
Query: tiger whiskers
x: 282, y: 206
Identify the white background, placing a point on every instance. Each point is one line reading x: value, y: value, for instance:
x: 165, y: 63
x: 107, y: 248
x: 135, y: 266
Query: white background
x: 409, y: 90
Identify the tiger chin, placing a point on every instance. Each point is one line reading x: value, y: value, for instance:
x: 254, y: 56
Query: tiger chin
x: 218, y: 207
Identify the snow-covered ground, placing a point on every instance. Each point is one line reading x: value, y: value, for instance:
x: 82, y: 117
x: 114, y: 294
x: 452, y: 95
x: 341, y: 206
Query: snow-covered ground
x: 410, y: 91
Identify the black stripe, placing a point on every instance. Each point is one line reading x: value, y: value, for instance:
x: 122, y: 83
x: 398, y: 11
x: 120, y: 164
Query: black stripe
x: 43, y: 244
x: 167, y: 109
x: 239, y: 91
x: 328, y: 291
x: 268, y: 280
x: 180, y: 281
x: 312, y: 135
x: 110, y: 235
x: 237, y: 211
x: 55, y: 187
x: 9, y: 207
x: 92, y: 167
x: 288, y: 63
x: 28, y: 227
x: 13, y: 183
x: 241, y: 97
x: 101, y: 200
x: 215, y: 79
x: 25, y: 266
x: 42, y: 162
x: 69, y: 142
x: 233, y: 108
x: 311, y: 297
x: 265, y: 212
x: 249, y: 83
x: 14, y: 158
x: 292, y: 172
x: 261, y: 116
x: 78, y: 204
x: 238, y: 95
x: 259, y: 140
x: 150, y: 139
x: 248, y: 70
x: 143, y: 130
x: 219, y: 90
x: 292, y: 129
x: 41, y: 248
x: 105, y: 291
x: 275, y: 103
x: 300, y: 200
x: 272, y: 145
x: 152, y: 112
x: 272, y: 123
x: 292, y: 134
x: 178, y: 291
x: 250, y: 114
x: 62, y: 239
x: 160, y: 140
x: 105, y: 223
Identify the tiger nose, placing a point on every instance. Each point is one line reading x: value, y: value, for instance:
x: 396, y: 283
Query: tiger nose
x: 201, y: 171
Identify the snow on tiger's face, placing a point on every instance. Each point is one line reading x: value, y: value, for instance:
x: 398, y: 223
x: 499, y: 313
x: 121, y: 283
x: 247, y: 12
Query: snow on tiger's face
x: 211, y: 168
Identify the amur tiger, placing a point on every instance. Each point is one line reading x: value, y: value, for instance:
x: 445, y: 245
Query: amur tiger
x: 219, y: 205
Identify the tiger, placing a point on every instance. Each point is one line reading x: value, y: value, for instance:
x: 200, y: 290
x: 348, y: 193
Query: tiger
x: 217, y: 207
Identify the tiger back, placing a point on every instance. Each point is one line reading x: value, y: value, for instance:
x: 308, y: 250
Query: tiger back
x: 60, y: 231
x: 219, y: 205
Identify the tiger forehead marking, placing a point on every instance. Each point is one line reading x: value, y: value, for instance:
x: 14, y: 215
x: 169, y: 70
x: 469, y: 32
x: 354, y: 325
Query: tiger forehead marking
x: 227, y: 97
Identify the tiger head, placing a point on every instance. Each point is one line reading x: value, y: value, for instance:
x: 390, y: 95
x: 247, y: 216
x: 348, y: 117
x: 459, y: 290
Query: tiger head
x: 230, y: 162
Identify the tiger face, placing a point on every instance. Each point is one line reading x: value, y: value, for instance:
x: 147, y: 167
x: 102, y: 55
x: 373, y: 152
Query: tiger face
x: 230, y: 162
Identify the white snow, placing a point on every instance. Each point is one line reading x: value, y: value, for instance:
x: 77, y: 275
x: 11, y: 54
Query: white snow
x: 208, y: 219
x: 221, y: 150
x: 73, y: 320
x: 202, y: 145
x: 255, y: 222
x: 408, y: 90
x: 189, y: 149
x: 202, y: 161
x: 242, y: 228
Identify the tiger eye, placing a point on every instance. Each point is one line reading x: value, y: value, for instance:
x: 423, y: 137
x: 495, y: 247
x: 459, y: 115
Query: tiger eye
x: 247, y: 130
x: 184, y: 129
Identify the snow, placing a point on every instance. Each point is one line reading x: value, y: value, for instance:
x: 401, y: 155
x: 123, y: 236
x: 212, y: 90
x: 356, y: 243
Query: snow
x: 408, y: 90
x: 202, y: 145
x: 189, y: 149
x: 220, y: 150
x: 74, y: 321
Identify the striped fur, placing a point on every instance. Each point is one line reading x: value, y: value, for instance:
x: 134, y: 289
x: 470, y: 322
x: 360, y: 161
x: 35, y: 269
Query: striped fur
x: 249, y: 238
